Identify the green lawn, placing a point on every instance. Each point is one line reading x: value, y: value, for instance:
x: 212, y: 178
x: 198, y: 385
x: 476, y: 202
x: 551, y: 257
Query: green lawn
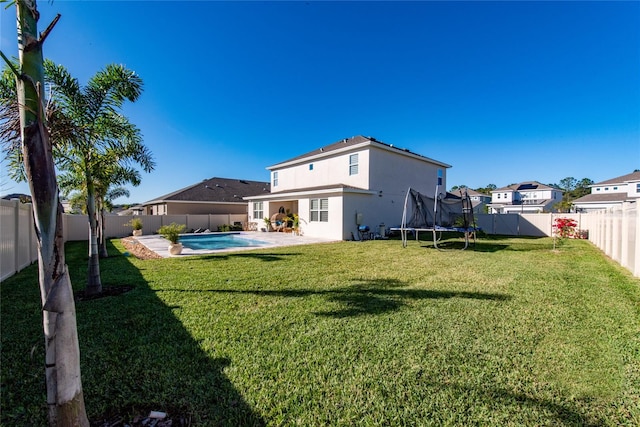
x: 347, y: 333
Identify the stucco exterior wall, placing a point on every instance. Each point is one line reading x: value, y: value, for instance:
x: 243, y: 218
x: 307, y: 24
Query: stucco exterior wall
x: 331, y: 229
x: 393, y: 174
x: 372, y: 210
x: 331, y: 170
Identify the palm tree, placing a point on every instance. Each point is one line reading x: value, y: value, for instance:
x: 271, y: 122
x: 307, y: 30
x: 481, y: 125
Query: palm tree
x: 65, y: 401
x: 108, y: 185
x: 96, y: 138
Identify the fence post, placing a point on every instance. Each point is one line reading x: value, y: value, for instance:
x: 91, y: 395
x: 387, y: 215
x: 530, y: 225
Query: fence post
x: 624, y: 244
x: 636, y: 258
x: 615, y: 234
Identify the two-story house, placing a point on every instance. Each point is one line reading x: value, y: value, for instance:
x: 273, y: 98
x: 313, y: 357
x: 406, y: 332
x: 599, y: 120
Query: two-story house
x: 479, y: 201
x: 610, y: 193
x: 525, y: 197
x: 355, y: 181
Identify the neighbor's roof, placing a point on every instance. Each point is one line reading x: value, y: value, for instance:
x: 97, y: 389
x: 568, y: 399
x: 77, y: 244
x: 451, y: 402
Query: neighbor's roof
x: 633, y: 176
x: 602, y: 198
x: 219, y: 190
x: 525, y: 186
x: 353, y: 141
x: 473, y: 193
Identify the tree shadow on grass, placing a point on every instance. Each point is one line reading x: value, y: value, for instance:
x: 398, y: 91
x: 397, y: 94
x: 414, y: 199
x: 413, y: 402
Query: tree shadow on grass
x: 136, y: 357
x: 364, y: 297
x: 261, y: 256
x: 483, y: 243
x: 494, y: 397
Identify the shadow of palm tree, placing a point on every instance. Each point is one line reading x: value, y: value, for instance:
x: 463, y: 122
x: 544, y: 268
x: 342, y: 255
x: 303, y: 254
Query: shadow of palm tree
x: 266, y: 257
x: 564, y: 414
x: 138, y: 357
x: 364, y: 297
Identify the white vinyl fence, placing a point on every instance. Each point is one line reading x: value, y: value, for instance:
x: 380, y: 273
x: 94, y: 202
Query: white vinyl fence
x: 18, y: 243
x: 616, y: 232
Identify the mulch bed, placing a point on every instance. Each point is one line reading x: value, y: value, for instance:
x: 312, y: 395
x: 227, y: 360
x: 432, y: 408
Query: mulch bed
x: 107, y: 291
x: 138, y: 250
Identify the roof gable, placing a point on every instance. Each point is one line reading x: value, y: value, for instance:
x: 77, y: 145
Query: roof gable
x: 351, y: 142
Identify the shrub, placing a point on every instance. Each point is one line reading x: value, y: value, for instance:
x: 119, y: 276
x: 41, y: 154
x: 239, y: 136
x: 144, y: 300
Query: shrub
x: 172, y: 232
x: 135, y: 223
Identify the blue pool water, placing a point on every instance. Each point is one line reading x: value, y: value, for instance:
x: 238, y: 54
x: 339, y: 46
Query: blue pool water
x: 219, y: 241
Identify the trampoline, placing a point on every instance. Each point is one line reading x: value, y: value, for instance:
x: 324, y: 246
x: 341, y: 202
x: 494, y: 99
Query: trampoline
x: 448, y: 213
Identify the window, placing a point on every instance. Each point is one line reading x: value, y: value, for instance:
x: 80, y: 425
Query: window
x: 598, y: 189
x: 310, y: 166
x: 319, y: 210
x: 275, y: 179
x: 638, y: 187
x: 615, y: 188
x: 353, y: 164
x: 258, y: 211
x: 498, y: 195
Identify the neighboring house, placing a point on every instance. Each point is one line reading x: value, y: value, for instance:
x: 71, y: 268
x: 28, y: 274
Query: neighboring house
x: 23, y: 198
x: 355, y: 181
x: 525, y: 197
x: 610, y: 193
x: 479, y: 201
x: 211, y: 196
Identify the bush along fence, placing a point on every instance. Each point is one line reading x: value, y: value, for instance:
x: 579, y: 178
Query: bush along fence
x: 615, y: 231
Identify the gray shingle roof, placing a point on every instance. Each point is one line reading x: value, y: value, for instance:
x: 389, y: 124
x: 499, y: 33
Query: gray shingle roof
x: 221, y: 190
x: 633, y: 176
x: 348, y: 142
x: 524, y: 186
x: 602, y: 198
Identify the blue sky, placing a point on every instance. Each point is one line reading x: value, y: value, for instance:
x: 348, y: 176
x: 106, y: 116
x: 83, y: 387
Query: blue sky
x: 503, y: 91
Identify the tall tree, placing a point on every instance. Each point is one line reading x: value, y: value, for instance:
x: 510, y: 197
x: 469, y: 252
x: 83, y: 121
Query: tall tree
x: 65, y: 399
x: 109, y: 185
x: 568, y: 183
x: 98, y: 132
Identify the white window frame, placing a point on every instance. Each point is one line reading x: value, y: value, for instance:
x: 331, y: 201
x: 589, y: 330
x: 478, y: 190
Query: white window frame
x: 275, y: 179
x: 353, y: 164
x: 258, y: 210
x: 319, y: 210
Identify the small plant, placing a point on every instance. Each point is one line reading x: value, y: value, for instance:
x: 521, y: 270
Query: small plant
x: 267, y: 223
x: 135, y: 223
x: 172, y: 232
x: 563, y: 228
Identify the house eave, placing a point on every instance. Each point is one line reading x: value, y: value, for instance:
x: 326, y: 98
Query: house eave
x: 349, y: 148
x: 160, y: 202
x: 307, y: 193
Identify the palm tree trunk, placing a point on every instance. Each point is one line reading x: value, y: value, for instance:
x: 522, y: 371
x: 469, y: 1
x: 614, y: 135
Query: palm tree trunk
x: 102, y: 240
x: 65, y: 401
x: 94, y: 284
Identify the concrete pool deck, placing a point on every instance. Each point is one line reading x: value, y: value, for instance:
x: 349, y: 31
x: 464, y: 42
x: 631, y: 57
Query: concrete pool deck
x: 160, y: 246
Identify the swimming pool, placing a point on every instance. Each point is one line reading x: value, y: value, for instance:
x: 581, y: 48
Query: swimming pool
x: 219, y: 241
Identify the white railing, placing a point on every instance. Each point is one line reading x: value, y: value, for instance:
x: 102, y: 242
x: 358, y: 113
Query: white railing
x: 616, y: 232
